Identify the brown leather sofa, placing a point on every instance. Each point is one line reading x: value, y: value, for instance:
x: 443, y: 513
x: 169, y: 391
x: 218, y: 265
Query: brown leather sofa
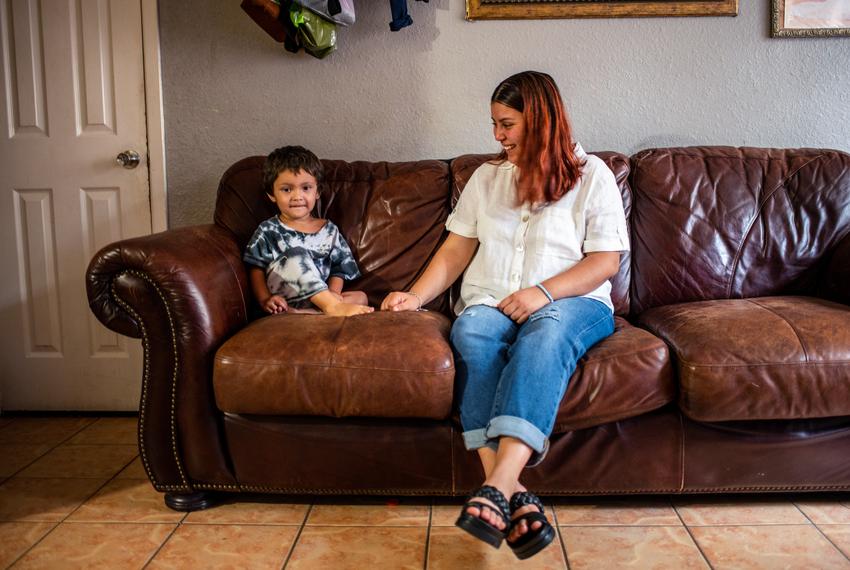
x: 729, y: 369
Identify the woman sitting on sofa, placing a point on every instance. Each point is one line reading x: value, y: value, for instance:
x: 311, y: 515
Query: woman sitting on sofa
x: 539, y: 232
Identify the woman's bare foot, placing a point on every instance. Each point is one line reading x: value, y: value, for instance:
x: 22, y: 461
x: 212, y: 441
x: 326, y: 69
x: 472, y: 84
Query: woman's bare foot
x: 520, y: 529
x: 494, y: 519
x: 489, y: 515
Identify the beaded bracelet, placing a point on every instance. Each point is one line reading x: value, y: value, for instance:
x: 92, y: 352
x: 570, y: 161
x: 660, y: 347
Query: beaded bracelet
x: 418, y: 298
x: 545, y: 292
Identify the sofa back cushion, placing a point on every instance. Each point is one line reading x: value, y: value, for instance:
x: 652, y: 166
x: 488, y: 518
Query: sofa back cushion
x: 720, y: 222
x: 463, y: 166
x: 391, y: 214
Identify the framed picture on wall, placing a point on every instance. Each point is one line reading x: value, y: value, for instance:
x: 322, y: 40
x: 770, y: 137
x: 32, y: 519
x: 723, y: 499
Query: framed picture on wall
x: 810, y: 18
x: 540, y: 9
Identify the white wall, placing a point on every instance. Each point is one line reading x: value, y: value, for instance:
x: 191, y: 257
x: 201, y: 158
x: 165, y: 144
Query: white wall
x: 230, y: 91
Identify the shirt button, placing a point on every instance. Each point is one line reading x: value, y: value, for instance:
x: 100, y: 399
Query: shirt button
x: 514, y: 276
x: 525, y: 217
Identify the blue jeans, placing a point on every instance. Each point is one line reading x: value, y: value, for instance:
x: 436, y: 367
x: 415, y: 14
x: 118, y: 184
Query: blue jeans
x: 511, y: 377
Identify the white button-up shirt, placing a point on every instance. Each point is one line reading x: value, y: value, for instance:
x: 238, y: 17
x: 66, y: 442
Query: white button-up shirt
x: 520, y: 246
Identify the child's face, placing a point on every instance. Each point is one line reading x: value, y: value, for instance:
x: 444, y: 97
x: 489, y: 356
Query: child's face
x: 295, y: 194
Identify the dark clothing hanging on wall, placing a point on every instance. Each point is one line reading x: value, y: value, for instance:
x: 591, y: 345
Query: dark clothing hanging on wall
x: 401, y: 19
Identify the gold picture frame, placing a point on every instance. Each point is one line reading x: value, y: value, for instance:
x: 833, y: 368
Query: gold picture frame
x: 535, y: 9
x: 818, y: 20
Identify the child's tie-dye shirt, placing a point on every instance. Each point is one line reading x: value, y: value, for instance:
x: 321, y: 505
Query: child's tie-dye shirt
x: 297, y: 264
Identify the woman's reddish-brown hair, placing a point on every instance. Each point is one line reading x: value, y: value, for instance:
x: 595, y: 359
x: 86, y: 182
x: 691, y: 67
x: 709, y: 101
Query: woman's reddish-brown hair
x: 548, y: 165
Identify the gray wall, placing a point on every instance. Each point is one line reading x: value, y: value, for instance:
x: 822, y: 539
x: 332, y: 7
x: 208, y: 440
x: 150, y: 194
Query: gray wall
x: 230, y: 91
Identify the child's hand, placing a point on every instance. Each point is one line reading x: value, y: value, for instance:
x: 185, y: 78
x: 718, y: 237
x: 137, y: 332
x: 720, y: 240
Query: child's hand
x: 275, y: 304
x: 398, y: 301
x: 347, y: 310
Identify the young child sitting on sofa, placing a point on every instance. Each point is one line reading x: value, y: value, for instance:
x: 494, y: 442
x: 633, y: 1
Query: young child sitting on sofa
x: 299, y: 262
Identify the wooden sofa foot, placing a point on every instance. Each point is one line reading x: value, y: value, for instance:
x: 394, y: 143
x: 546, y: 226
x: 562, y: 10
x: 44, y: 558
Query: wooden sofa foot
x: 189, y: 501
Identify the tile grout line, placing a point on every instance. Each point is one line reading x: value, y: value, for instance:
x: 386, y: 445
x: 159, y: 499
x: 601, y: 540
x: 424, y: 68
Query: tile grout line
x: 134, y: 444
x: 298, y: 534
x: 671, y: 525
x: 691, y: 534
x: 59, y: 522
x: 359, y: 526
x: 822, y: 533
x: 98, y: 490
x: 561, y: 538
x: 165, y: 541
x: 428, y: 534
x: 769, y: 525
x: 49, y: 449
x: 36, y: 543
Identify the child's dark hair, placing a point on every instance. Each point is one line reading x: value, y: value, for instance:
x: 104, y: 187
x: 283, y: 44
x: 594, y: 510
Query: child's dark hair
x: 293, y: 158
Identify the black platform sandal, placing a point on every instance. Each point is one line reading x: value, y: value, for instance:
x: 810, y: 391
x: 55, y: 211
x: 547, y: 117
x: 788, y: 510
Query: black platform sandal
x: 478, y: 527
x: 534, y: 540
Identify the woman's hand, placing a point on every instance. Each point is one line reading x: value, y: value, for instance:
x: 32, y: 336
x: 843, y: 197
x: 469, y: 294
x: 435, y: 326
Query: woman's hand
x: 275, y: 304
x: 521, y: 304
x: 399, y: 301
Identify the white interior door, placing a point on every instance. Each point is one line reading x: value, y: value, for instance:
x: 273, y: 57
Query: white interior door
x: 73, y: 99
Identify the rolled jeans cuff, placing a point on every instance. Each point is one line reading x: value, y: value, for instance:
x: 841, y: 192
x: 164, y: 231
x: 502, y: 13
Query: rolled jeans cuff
x: 475, y: 439
x: 523, y: 430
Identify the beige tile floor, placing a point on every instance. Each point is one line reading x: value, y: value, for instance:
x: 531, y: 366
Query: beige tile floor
x: 73, y: 495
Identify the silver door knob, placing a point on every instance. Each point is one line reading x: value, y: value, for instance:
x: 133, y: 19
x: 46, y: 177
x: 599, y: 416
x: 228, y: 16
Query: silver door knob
x: 128, y: 159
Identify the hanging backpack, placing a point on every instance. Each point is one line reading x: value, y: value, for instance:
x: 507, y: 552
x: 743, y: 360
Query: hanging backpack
x: 338, y: 11
x: 289, y: 22
x: 315, y: 34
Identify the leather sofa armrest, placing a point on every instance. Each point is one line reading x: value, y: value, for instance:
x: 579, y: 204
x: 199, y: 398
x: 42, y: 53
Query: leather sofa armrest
x: 183, y: 292
x: 836, y: 278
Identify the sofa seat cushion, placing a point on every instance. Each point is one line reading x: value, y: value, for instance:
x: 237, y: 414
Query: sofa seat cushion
x: 378, y: 365
x: 624, y: 375
x: 759, y: 358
